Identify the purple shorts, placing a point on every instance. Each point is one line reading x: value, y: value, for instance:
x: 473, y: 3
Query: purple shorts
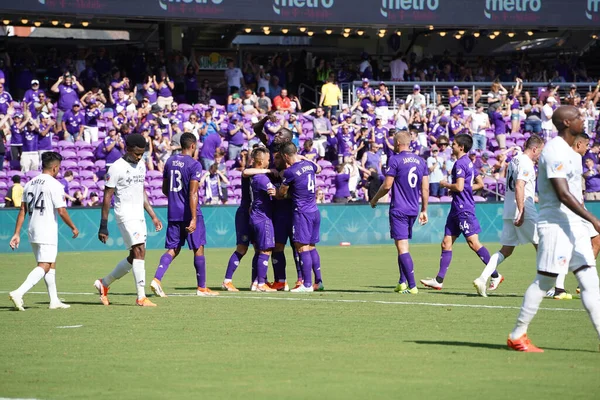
x: 306, y: 227
x: 464, y: 223
x: 177, y: 235
x: 262, y: 234
x: 242, y: 226
x: 284, y: 227
x: 401, y: 225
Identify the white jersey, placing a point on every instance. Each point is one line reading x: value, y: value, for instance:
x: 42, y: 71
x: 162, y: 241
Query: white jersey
x: 43, y: 195
x: 520, y: 168
x: 128, y: 181
x: 559, y: 160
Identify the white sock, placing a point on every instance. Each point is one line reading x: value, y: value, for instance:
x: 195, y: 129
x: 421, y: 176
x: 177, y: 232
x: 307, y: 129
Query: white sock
x: 139, y: 274
x: 531, y: 303
x: 50, y: 279
x: 560, y: 281
x: 590, y: 294
x: 36, y: 275
x: 226, y: 280
x: 495, y: 260
x: 122, y: 268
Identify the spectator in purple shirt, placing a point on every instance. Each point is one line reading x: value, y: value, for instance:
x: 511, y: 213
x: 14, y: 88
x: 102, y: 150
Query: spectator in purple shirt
x: 342, y: 189
x: 73, y: 123
x: 68, y: 90
x: 113, y: 147
x: 164, y: 87
x: 237, y: 131
x: 592, y: 179
x: 32, y: 96
x: 5, y: 100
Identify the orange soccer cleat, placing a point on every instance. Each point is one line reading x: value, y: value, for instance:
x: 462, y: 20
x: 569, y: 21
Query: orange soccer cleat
x: 298, y: 284
x: 279, y: 286
x: 205, y: 292
x: 523, y: 344
x: 102, y: 291
x: 228, y: 286
x: 145, y: 302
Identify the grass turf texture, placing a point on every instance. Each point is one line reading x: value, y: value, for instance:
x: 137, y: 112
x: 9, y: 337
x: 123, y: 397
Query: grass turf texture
x: 356, y: 340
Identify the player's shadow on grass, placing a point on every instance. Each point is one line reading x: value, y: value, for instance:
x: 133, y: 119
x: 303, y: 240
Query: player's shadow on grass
x: 464, y: 294
x: 493, y: 346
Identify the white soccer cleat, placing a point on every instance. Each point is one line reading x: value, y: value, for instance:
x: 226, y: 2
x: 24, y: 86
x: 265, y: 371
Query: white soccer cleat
x: 157, y: 288
x: 17, y: 300
x: 59, y: 306
x: 254, y: 287
x: 480, y: 286
x: 302, y: 289
x: 550, y: 293
x: 432, y: 283
x: 495, y: 282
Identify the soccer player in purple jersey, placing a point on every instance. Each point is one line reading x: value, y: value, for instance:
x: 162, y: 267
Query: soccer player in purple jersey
x: 180, y: 184
x: 262, y: 192
x: 300, y: 180
x: 407, y: 176
x: 461, y: 219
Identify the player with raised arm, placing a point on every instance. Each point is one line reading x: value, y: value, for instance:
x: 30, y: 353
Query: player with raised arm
x: 520, y: 215
x: 564, y: 237
x: 461, y: 218
x: 42, y: 200
x: 186, y: 223
x: 125, y: 180
x: 407, y: 176
x: 300, y: 180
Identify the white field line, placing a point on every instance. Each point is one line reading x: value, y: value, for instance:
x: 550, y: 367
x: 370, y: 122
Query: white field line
x: 308, y: 298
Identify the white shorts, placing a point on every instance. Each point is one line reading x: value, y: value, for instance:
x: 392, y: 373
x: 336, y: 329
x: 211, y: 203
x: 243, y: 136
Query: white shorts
x: 133, y: 232
x: 90, y: 134
x: 590, y: 227
x: 564, y: 249
x: 44, y: 253
x: 30, y: 161
x: 516, y: 235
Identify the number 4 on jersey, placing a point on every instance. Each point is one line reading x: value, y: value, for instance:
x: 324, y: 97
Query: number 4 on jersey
x: 36, y: 204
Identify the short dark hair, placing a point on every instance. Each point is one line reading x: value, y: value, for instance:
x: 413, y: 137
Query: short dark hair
x: 534, y: 141
x: 68, y: 174
x: 16, y: 179
x: 259, y: 150
x: 135, y: 140
x: 51, y: 157
x: 288, y: 149
x: 187, y: 140
x: 465, y: 141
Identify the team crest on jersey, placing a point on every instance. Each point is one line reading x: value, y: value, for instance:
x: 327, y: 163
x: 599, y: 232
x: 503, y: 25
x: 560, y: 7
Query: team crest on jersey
x: 137, y: 235
x: 558, y: 166
x: 107, y: 177
x: 562, y: 261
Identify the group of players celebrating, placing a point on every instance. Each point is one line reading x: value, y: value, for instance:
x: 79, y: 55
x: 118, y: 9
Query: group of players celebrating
x: 279, y: 204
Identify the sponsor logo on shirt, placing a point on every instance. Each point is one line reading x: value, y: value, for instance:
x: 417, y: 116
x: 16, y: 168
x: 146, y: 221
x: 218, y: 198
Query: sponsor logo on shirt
x: 558, y: 166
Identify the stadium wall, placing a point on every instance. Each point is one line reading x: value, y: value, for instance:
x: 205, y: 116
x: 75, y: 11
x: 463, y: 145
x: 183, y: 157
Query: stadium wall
x: 357, y: 224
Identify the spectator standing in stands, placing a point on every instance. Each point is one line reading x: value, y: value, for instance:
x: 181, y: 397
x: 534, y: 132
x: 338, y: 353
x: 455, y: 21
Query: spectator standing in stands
x: 592, y: 179
x: 416, y: 101
x: 342, y: 190
x: 477, y: 124
x: 68, y: 89
x: 6, y: 100
x: 435, y: 164
x: 237, y: 130
x: 30, y: 160
x: 309, y: 151
x: 164, y: 89
x: 495, y: 98
x: 515, y: 107
x: 211, y: 182
x: 398, y: 67
x: 457, y: 102
x: 263, y: 103
x: 73, y: 123
x: 32, y: 96
x: 46, y: 132
x: 295, y: 127
x: 92, y: 114
x: 190, y: 82
x: 65, y: 181
x: 14, y: 196
x: 547, y: 112
x: 372, y: 158
x: 321, y: 128
x: 234, y: 77
x: 113, y: 147
x: 205, y: 92
x: 212, y: 141
x: 364, y: 95
x: 533, y: 120
x: 282, y: 102
x: 331, y: 96
x: 382, y: 101
x: 16, y: 125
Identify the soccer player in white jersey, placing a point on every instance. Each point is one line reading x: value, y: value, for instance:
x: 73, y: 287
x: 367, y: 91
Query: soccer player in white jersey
x: 564, y: 237
x: 125, y: 180
x: 520, y: 215
x: 43, y: 200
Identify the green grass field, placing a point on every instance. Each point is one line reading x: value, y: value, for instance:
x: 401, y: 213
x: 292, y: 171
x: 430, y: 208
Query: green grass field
x: 358, y: 339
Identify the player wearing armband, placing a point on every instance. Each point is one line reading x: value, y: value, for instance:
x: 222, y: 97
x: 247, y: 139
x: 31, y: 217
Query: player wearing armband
x: 42, y: 200
x: 520, y: 215
x: 181, y: 178
x: 125, y: 180
x: 461, y: 219
x: 407, y: 176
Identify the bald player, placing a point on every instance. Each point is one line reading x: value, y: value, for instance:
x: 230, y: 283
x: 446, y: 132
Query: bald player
x: 407, y: 176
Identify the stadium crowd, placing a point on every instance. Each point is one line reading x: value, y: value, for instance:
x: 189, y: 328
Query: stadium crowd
x: 87, y: 103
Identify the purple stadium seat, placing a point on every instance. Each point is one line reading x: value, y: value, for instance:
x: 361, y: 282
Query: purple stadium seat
x: 82, y: 145
x: 32, y: 174
x: 154, y: 174
x: 237, y: 192
x: 85, y: 155
x: 85, y: 174
x: 236, y: 182
x: 88, y: 183
x: 69, y: 164
x: 86, y: 165
x: 234, y: 173
x: 3, y: 185
x: 433, y: 199
x: 185, y: 107
x: 68, y: 155
x: 100, y: 185
x: 74, y: 185
x: 155, y: 184
x: 445, y: 199
x: 157, y: 193
x: 479, y: 199
x: 65, y: 144
x: 161, y: 201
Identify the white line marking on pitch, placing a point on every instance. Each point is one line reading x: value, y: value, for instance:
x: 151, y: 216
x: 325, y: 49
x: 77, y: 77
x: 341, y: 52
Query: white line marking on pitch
x: 407, y: 303
x: 69, y: 326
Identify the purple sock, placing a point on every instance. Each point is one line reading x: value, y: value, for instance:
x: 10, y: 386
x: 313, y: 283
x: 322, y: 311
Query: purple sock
x: 163, y: 266
x: 234, y: 262
x: 306, y: 263
x: 279, y: 264
x: 445, y: 260
x: 200, y: 265
x: 402, y: 278
x: 316, y: 265
x: 262, y: 267
x: 298, y: 266
x: 408, y: 269
x: 254, y: 267
x: 484, y: 255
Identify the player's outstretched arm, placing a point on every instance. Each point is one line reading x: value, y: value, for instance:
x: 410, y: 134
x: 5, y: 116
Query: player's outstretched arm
x: 423, y: 218
x: 150, y: 211
x: 248, y: 172
x: 16, y: 238
x: 383, y: 190
x: 103, y: 230
x: 561, y: 187
x: 64, y: 215
x: 259, y: 129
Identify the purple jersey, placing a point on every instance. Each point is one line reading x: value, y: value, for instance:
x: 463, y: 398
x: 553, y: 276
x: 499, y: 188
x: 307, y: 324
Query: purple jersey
x: 366, y: 101
x: 212, y: 187
x: 380, y: 134
x: 67, y: 95
x: 382, y: 102
x: 311, y: 154
x: 31, y: 97
x: 414, y: 146
x: 5, y: 100
x: 439, y: 130
x: 73, y: 121
x: 16, y: 135
x: 210, y: 145
x: 237, y: 139
x: 262, y: 203
x: 179, y: 171
x: 408, y: 171
x: 455, y: 127
x: 463, y: 201
x: 164, y: 90
x: 459, y: 108
x: 270, y: 130
x: 301, y: 179
x: 345, y: 142
x: 151, y: 94
x: 341, y: 185
x: 91, y: 116
x: 115, y: 153
x: 592, y: 179
x: 516, y: 105
x: 178, y: 118
x: 30, y: 138
x: 45, y: 142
